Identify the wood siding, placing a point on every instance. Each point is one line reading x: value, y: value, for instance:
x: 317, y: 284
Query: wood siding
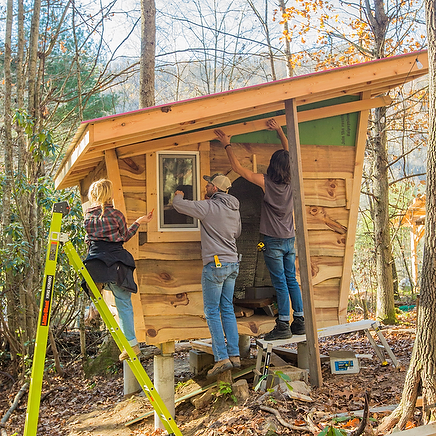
x: 169, y: 272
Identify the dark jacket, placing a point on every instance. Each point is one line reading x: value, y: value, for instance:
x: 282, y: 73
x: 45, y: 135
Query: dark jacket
x: 110, y: 262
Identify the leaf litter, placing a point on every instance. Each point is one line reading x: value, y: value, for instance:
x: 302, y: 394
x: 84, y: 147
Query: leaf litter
x: 76, y: 405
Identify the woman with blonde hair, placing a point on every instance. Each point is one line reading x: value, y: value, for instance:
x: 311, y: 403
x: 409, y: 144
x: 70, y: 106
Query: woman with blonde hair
x: 110, y: 265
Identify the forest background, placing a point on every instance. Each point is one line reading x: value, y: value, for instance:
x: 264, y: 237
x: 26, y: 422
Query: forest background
x: 63, y: 62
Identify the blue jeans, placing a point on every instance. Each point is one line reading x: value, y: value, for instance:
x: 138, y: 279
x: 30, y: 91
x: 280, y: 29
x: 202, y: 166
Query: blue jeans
x: 279, y: 258
x: 123, y: 302
x: 218, y: 288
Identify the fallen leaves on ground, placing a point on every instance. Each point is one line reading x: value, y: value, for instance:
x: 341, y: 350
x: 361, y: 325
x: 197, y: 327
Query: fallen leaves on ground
x: 74, y: 405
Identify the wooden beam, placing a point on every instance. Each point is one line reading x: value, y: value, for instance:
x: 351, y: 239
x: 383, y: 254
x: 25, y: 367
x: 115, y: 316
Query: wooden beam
x: 248, y: 126
x: 303, y: 243
x: 376, y: 76
x: 142, y: 135
x: 83, y: 145
x: 144, y: 141
x: 361, y: 134
x: 367, y: 74
x: 113, y: 174
x: 204, y: 123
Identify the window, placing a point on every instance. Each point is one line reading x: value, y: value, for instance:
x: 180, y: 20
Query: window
x: 177, y: 172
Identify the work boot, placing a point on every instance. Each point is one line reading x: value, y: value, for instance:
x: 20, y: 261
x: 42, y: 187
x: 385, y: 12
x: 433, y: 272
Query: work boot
x: 297, y: 326
x: 280, y: 331
x: 236, y: 361
x: 219, y: 367
x: 124, y: 355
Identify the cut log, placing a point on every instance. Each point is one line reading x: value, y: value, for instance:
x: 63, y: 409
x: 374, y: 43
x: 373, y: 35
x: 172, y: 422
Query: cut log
x: 240, y: 312
x: 225, y: 377
x: 254, y: 303
x: 204, y: 399
x: 240, y: 390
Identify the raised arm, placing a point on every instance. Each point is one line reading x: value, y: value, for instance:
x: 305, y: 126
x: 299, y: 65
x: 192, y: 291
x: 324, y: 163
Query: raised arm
x: 247, y: 174
x: 272, y: 124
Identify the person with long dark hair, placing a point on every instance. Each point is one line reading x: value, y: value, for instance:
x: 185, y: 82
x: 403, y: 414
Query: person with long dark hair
x: 277, y: 228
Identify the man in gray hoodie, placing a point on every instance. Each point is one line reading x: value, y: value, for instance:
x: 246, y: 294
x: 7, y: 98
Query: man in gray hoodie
x: 220, y: 226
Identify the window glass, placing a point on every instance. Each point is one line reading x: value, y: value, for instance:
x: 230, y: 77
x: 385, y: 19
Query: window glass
x: 177, y: 172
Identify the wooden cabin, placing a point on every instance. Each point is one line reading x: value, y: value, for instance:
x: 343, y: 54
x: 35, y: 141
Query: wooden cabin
x: 149, y: 153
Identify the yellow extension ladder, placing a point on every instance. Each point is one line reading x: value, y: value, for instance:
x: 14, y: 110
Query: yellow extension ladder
x: 55, y: 239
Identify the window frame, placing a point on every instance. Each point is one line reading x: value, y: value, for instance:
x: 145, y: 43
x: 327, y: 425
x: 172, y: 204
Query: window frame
x: 195, y: 227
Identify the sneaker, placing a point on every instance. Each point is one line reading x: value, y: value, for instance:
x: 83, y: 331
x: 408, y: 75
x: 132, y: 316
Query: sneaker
x: 297, y: 326
x: 124, y: 355
x: 219, y: 367
x: 236, y: 361
x: 280, y: 331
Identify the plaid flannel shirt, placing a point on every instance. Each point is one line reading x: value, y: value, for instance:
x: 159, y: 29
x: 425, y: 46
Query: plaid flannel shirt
x: 111, y: 227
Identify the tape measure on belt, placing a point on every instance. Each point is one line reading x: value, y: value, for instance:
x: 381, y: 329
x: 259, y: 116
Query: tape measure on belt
x: 217, y: 262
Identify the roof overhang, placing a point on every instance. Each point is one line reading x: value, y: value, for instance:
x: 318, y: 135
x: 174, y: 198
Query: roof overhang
x: 191, y: 121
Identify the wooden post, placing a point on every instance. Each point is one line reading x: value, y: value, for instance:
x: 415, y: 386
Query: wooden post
x: 361, y: 134
x: 303, y: 242
x: 113, y: 174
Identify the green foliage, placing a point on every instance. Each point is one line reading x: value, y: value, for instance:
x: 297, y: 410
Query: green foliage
x: 40, y: 142
x: 285, y: 378
x: 331, y: 431
x: 225, y: 390
x: 279, y: 374
x: 182, y: 384
x: 271, y: 399
x: 23, y: 241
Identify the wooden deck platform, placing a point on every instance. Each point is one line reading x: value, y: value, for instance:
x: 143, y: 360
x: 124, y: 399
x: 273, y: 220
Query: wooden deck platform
x: 365, y: 325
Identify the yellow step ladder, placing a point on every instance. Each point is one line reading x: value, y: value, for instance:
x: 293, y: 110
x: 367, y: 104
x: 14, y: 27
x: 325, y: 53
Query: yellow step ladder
x: 55, y: 239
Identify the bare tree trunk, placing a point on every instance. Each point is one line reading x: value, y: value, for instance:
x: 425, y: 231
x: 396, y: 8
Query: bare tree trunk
x: 385, y: 311
x: 77, y: 60
x: 8, y: 155
x: 9, y: 288
x: 21, y: 142
x: 31, y: 205
x: 422, y: 368
x: 264, y: 23
x: 383, y: 251
x: 33, y: 58
x: 148, y: 48
x: 288, y: 55
x: 82, y: 329
x: 55, y: 351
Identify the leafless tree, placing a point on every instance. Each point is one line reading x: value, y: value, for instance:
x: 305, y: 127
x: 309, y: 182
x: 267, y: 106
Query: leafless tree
x: 148, y: 49
x: 421, y: 374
